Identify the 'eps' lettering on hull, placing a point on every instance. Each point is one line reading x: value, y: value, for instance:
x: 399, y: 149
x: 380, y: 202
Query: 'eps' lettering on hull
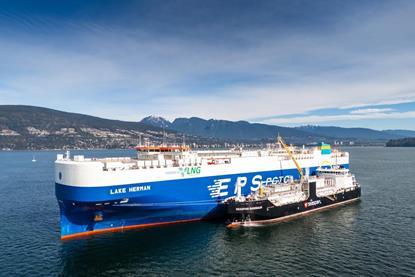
x: 220, y: 186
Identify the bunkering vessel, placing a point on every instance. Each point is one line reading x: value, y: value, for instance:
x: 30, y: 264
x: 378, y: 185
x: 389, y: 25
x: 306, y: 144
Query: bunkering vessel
x: 170, y: 184
x: 271, y: 203
x: 329, y: 188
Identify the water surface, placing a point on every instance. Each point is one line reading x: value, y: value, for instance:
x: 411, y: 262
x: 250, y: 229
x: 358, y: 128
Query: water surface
x: 375, y: 237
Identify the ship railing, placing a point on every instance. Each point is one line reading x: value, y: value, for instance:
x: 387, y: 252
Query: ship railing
x: 111, y: 159
x: 146, y: 164
x: 292, y: 190
x: 338, y: 154
x: 127, y: 163
x: 294, y: 197
x: 297, y: 156
x: 216, y: 161
x: 326, y: 191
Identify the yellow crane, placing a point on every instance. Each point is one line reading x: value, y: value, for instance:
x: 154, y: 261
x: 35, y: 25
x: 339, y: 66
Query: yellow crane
x: 287, y: 149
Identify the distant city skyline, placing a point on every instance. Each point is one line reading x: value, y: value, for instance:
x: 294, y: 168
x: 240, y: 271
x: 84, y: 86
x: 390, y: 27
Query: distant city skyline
x: 287, y: 63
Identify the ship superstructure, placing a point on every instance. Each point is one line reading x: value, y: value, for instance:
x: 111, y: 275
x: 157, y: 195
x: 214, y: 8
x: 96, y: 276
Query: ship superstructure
x: 166, y: 184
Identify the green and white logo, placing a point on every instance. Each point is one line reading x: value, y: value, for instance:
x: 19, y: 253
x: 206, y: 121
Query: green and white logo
x: 190, y: 170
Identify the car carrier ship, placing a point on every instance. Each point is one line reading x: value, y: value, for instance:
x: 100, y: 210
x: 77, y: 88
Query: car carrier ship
x: 171, y: 184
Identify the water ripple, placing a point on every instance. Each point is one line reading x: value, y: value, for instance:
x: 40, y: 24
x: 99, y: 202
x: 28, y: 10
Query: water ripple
x: 372, y: 238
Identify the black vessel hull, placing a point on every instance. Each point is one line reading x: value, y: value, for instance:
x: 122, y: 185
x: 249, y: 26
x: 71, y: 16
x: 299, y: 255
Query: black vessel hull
x: 251, y: 213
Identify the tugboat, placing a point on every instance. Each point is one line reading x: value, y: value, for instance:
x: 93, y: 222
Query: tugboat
x: 328, y: 188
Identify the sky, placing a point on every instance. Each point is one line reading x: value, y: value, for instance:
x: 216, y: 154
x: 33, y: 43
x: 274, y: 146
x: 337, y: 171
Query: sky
x: 288, y: 63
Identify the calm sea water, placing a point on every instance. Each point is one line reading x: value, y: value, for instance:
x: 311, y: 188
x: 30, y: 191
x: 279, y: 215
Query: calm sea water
x: 375, y: 237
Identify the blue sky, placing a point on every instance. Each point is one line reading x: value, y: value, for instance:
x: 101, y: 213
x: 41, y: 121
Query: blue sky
x: 344, y: 63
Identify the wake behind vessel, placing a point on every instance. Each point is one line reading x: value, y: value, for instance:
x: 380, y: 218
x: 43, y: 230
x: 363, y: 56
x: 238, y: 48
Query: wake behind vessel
x: 170, y: 184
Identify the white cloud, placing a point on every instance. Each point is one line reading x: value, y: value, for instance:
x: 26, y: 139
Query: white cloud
x: 371, y: 111
x: 318, y: 119
x: 381, y: 103
x: 117, y: 74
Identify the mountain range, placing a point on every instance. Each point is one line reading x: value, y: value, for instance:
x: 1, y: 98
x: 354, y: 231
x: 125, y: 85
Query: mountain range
x: 243, y: 130
x: 228, y: 130
x: 29, y: 127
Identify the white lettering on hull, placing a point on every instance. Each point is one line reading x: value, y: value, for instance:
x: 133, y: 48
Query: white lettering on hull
x: 118, y: 191
x: 312, y: 203
x: 130, y: 189
x: 220, y: 186
x: 249, y: 208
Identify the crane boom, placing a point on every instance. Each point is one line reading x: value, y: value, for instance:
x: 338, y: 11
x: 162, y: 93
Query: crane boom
x: 287, y: 149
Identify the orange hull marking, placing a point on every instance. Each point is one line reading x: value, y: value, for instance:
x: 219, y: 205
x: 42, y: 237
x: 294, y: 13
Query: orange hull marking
x: 233, y: 225
x: 123, y: 228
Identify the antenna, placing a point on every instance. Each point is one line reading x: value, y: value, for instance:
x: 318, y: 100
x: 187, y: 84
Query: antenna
x: 184, y: 141
x: 279, y: 138
x: 164, y: 136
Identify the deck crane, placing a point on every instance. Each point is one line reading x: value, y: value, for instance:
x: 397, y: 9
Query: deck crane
x: 287, y: 149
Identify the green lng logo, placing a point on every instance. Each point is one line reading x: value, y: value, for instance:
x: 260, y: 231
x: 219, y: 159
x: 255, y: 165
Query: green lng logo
x: 191, y: 170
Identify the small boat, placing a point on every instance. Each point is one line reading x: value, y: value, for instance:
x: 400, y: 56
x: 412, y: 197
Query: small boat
x: 34, y: 159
